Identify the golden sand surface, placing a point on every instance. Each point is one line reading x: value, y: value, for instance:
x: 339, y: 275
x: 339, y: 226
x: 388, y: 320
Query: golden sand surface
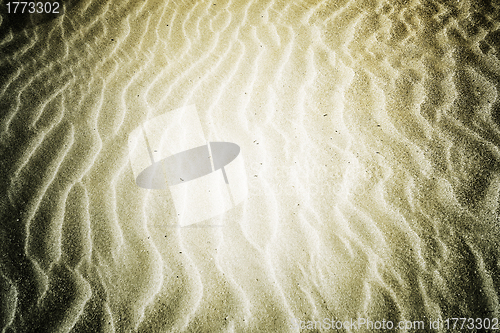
x: 370, y: 136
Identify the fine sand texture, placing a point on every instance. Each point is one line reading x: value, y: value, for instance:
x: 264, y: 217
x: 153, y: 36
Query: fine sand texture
x: 369, y: 135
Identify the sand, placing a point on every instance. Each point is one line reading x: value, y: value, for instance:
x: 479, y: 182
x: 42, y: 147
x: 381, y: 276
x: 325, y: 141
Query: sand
x: 370, y: 136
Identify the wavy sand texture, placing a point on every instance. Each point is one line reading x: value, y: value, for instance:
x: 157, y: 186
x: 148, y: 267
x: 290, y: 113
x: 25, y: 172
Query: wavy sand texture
x: 370, y: 133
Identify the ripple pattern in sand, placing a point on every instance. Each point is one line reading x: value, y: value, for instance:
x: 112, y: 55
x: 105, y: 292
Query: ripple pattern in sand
x: 370, y: 133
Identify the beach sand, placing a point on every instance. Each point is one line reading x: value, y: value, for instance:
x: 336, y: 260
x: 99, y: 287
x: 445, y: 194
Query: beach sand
x: 370, y: 136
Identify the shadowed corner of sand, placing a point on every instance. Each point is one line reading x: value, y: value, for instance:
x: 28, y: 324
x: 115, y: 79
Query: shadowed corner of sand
x: 22, y: 18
